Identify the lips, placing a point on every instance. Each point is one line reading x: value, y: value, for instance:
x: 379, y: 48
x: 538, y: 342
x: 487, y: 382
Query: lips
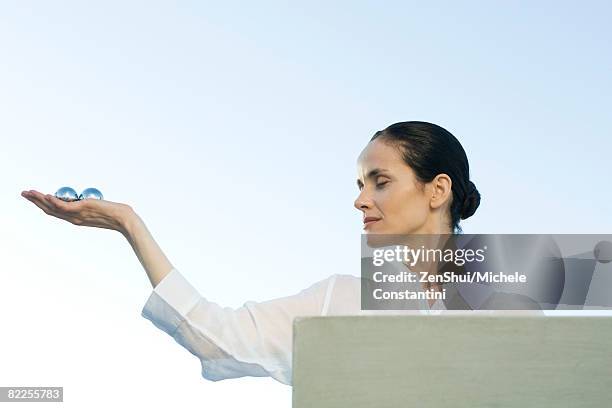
x: 367, y: 221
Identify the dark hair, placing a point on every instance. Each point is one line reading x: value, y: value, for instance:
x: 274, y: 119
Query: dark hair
x: 430, y: 150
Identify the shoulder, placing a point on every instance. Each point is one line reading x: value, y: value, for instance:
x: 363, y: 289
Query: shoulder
x: 344, y: 295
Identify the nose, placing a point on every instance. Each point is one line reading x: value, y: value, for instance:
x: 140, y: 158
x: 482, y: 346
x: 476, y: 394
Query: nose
x: 362, y: 202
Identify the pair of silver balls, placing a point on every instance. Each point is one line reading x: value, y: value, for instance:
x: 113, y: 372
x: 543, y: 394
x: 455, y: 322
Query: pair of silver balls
x: 69, y: 194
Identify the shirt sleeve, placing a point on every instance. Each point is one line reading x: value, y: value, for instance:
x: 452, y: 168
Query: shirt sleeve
x: 252, y: 340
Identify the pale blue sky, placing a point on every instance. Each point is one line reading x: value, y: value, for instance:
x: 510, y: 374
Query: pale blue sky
x: 233, y: 129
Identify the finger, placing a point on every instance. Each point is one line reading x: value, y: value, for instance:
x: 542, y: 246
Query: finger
x: 37, y: 199
x: 30, y: 192
x: 27, y: 193
x: 51, y: 207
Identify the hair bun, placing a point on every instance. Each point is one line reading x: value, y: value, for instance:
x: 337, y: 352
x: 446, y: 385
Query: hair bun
x: 471, y: 201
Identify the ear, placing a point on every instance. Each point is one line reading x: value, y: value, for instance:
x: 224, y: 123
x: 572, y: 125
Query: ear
x: 440, y: 190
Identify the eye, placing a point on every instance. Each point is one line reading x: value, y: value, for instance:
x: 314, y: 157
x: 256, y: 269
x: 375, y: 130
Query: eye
x: 381, y: 185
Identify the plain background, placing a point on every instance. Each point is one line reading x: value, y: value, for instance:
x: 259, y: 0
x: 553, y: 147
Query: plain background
x: 233, y: 130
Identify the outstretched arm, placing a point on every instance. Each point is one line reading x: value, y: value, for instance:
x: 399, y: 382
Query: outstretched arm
x: 109, y: 215
x: 252, y: 340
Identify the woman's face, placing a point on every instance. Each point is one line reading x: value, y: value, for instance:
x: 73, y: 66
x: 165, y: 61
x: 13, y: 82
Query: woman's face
x: 389, y: 194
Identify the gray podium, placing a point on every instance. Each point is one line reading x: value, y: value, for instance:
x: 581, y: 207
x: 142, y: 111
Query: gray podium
x: 452, y: 361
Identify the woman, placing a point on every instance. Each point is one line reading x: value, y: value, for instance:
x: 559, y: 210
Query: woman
x: 413, y: 178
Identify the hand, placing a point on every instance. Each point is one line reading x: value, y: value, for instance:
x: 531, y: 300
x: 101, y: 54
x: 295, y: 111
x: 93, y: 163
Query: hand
x: 88, y: 212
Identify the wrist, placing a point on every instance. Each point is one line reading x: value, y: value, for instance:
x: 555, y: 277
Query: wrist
x: 127, y: 220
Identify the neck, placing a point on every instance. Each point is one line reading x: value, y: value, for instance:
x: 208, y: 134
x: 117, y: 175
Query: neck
x: 433, y: 226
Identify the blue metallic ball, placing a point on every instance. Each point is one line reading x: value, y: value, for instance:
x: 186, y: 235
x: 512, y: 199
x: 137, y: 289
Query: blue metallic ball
x: 67, y: 194
x: 91, y: 193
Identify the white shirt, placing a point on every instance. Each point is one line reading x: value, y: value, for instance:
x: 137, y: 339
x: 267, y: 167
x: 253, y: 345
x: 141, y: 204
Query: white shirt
x: 256, y: 339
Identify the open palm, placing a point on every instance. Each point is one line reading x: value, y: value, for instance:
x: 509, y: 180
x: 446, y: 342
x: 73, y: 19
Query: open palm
x: 88, y: 212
